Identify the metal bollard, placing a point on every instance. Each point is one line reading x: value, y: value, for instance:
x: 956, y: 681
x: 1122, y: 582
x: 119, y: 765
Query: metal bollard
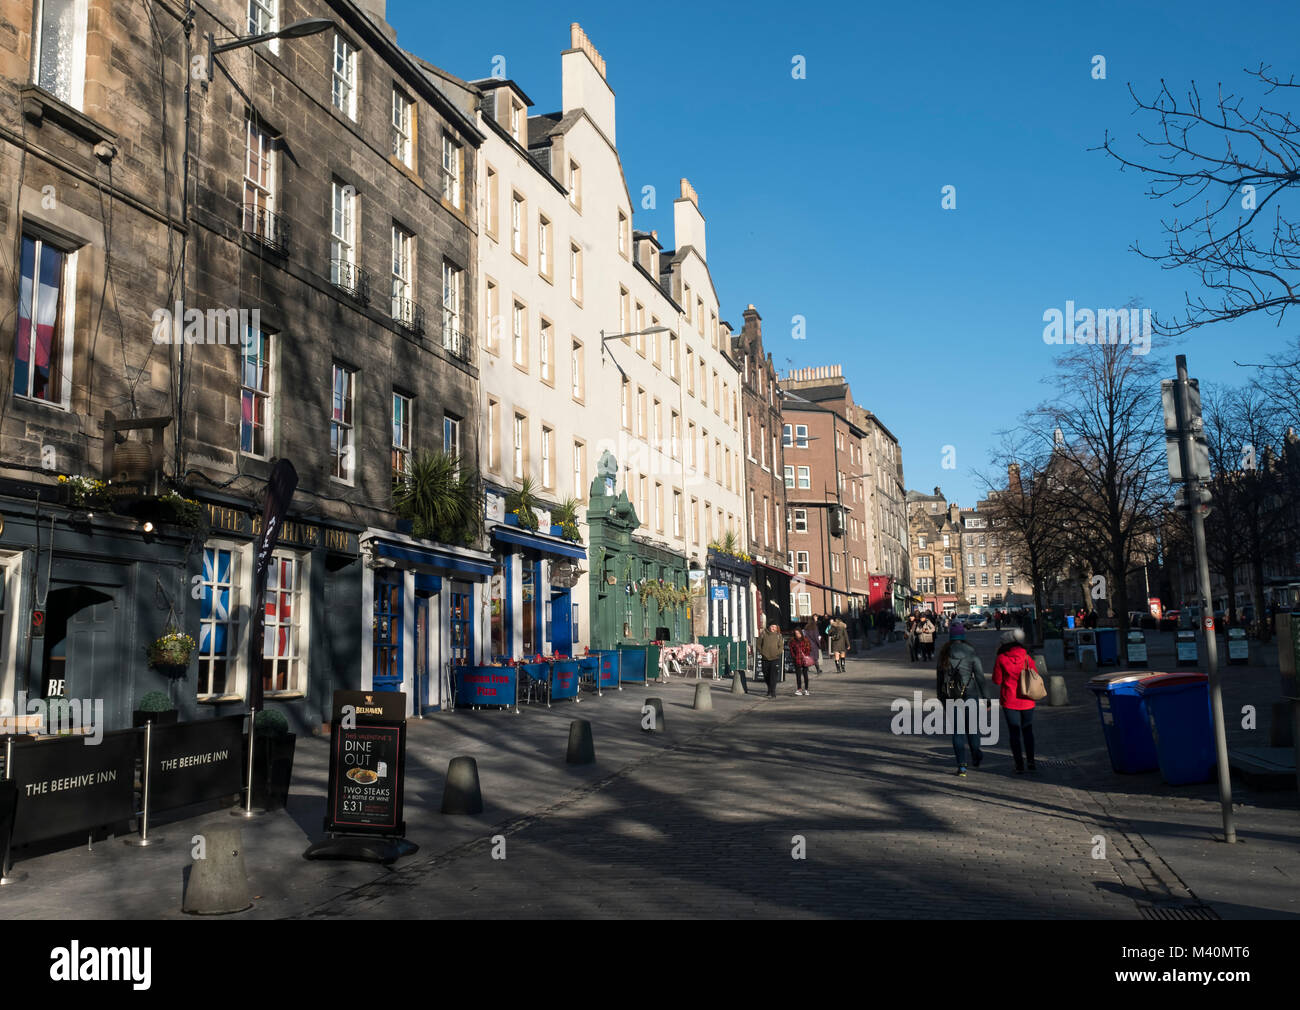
x: 144, y: 839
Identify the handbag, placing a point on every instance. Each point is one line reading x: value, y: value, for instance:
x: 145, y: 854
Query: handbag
x: 1031, y: 684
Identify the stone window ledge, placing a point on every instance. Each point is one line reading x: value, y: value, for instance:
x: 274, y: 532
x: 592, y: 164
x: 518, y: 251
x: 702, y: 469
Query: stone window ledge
x: 39, y: 105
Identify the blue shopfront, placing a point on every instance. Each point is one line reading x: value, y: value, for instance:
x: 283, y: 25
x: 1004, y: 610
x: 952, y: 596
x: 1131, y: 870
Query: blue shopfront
x: 532, y: 610
x: 419, y: 603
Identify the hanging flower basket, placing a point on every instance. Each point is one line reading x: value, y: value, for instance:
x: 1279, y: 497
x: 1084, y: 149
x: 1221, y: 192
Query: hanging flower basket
x: 171, y: 651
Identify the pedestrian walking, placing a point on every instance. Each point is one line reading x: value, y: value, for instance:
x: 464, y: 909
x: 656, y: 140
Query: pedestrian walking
x: 801, y: 653
x: 813, y: 635
x: 960, y: 678
x: 1019, y: 710
x: 771, y: 647
x: 925, y: 637
x: 839, y: 641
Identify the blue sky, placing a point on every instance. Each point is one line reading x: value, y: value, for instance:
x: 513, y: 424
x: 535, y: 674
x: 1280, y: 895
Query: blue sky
x: 823, y: 195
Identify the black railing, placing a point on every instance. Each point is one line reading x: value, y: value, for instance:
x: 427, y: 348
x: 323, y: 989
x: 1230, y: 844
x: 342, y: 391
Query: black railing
x: 408, y: 315
x: 456, y: 341
x: 269, y: 228
x: 351, y: 279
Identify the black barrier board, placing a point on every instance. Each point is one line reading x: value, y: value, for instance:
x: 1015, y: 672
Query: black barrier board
x: 191, y: 762
x: 69, y: 786
x: 8, y: 804
x: 367, y: 763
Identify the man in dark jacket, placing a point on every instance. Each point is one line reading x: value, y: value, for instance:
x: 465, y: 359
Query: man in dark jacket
x: 771, y: 647
x: 960, y: 678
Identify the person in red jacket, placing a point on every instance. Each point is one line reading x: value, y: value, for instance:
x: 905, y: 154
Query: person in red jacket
x: 1011, y: 662
x: 801, y: 653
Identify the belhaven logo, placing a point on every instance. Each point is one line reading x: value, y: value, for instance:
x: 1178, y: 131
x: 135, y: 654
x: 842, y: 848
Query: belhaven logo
x: 370, y: 699
x: 102, y: 964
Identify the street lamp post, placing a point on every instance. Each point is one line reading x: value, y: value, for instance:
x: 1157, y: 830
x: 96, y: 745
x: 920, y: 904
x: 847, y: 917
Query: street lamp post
x: 297, y: 30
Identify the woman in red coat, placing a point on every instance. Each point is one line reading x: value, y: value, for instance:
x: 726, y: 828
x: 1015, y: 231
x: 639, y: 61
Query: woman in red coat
x: 1019, y: 710
x: 801, y: 653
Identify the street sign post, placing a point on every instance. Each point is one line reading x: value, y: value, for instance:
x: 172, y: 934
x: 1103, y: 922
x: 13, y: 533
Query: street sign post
x: 1190, y: 465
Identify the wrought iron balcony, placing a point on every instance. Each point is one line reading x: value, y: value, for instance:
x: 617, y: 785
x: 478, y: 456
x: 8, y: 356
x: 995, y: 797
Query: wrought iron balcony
x: 408, y: 315
x: 270, y: 229
x: 351, y: 279
x: 456, y: 341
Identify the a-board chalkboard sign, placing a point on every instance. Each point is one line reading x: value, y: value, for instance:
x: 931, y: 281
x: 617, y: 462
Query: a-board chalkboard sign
x: 367, y: 763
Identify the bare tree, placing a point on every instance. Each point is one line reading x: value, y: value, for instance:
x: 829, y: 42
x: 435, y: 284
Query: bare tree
x: 1230, y: 164
x: 1106, y: 432
x: 1028, y: 509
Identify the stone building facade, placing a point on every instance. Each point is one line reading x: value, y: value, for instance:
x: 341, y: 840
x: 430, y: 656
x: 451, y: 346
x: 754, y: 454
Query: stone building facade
x: 935, y: 552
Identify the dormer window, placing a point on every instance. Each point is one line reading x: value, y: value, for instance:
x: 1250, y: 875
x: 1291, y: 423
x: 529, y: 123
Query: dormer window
x: 516, y: 116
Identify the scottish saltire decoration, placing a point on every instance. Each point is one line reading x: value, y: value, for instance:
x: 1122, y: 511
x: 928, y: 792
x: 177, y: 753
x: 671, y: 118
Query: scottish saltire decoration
x: 214, y: 608
x: 279, y: 492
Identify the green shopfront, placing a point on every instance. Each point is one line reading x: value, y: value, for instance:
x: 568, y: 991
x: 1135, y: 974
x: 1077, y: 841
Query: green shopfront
x: 637, y: 589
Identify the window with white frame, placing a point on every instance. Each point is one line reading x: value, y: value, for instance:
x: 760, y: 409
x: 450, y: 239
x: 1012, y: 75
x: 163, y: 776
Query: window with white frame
x: 575, y: 272
x: 519, y: 335
x: 675, y: 433
x: 789, y: 477
x: 801, y: 562
x: 259, y: 181
x: 577, y: 367
x: 263, y: 17
x: 403, y: 285
x: 452, y: 169
x: 575, y: 184
x: 543, y: 246
x: 219, y: 602
x: 255, y: 394
x: 343, y: 237
x: 672, y: 355
x: 548, y: 475
x: 520, y: 441
x: 342, y: 440
x: 801, y: 520
x: 402, y: 424
x: 517, y: 224
x: 805, y: 478
x: 59, y: 49
x: 284, y: 660
x: 43, y: 345
x: 579, y: 455
x: 403, y: 147
x: 344, y: 93
x: 452, y: 338
x: 677, y: 513
x: 544, y: 366
x: 451, y: 435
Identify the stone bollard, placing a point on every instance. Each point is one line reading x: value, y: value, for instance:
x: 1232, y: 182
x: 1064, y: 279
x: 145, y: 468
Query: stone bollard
x: 1056, y: 693
x: 218, y: 884
x: 582, y: 748
x: 1040, y: 661
x: 657, y: 723
x: 738, y: 683
x: 461, y: 793
x: 1088, y: 661
x: 703, y: 698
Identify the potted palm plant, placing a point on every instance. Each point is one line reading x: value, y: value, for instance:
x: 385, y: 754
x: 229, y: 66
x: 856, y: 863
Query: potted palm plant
x: 521, y: 503
x: 440, y: 499
x: 564, y: 519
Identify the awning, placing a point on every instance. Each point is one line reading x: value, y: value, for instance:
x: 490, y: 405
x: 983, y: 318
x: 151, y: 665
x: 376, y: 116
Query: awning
x: 543, y: 543
x: 428, y: 558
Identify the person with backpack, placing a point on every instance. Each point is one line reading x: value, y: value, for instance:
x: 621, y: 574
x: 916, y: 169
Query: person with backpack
x: 960, y: 678
x: 839, y: 641
x: 801, y: 653
x: 1012, y: 662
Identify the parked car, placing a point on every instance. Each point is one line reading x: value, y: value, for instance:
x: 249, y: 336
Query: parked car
x: 975, y: 620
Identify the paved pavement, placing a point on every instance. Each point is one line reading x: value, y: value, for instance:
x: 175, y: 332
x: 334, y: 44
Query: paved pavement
x: 706, y: 818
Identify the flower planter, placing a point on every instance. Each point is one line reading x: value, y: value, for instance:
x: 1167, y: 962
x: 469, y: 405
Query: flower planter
x: 557, y: 531
x: 272, y: 769
x: 139, y: 718
x: 512, y: 519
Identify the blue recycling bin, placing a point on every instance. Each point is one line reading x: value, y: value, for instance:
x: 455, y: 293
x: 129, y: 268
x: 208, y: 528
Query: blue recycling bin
x: 1069, y: 621
x: 1107, y: 646
x: 1124, y: 721
x: 1178, y: 709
